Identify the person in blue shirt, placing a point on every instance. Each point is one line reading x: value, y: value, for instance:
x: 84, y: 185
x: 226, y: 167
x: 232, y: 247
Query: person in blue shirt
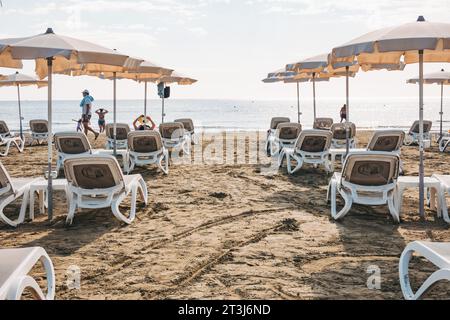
x: 87, y: 105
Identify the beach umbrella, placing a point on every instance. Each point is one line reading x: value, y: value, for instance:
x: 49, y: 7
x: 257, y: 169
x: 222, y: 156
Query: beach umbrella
x: 415, y: 42
x: 19, y: 80
x: 441, y: 78
x: 59, y: 54
x: 282, y: 75
x: 176, y: 78
x: 318, y: 67
x: 146, y: 71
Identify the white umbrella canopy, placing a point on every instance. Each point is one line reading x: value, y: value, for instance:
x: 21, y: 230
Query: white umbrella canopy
x: 441, y: 78
x: 18, y: 80
x: 420, y: 41
x: 60, y: 54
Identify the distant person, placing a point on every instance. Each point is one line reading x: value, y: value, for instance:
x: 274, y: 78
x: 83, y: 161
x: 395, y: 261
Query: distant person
x: 87, y: 104
x: 101, y: 118
x: 343, y: 113
x: 144, y: 123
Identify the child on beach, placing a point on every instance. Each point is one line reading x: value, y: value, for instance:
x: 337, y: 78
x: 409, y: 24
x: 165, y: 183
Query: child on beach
x: 142, y: 123
x: 101, y: 118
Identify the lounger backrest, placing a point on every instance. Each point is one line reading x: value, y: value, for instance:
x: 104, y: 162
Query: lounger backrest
x: 39, y: 126
x: 338, y: 130
x: 288, y: 130
x: 277, y: 120
x: 375, y: 169
x: 122, y: 130
x: 171, y: 130
x: 72, y: 142
x: 187, y: 123
x: 144, y: 141
x: 93, y: 172
x: 323, y: 123
x: 5, y: 181
x: 314, y: 140
x: 386, y: 140
x: 3, y: 127
x: 427, y: 124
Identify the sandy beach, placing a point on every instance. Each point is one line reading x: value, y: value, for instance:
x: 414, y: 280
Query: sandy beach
x: 226, y: 231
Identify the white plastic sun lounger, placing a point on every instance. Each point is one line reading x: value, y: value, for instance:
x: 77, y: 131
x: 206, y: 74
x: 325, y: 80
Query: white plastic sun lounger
x: 437, y: 253
x: 369, y: 178
x: 39, y: 131
x: 312, y: 147
x: 96, y: 181
x: 69, y: 145
x: 7, y: 138
x: 189, y: 129
x: 323, y: 123
x: 413, y: 133
x: 122, y: 130
x: 444, y: 181
x: 274, y: 122
x: 146, y: 147
x: 173, y: 137
x: 339, y: 140
x: 12, y: 189
x: 285, y: 136
x: 15, y: 265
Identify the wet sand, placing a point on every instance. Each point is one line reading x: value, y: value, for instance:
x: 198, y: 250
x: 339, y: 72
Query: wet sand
x: 226, y: 231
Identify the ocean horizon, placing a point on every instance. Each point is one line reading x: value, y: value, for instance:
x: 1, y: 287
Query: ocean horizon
x: 212, y: 115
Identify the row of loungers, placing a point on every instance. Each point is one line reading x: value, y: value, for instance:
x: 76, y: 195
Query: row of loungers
x: 39, y: 134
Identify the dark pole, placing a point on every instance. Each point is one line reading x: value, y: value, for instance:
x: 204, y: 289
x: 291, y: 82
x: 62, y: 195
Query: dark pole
x: 49, y: 142
x: 20, y: 111
x: 347, y: 111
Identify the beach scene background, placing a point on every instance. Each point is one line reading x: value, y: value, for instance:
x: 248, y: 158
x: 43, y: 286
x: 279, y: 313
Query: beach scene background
x: 211, y: 115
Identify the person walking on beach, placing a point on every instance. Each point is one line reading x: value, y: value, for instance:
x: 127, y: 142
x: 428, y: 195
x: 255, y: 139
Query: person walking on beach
x: 101, y: 118
x: 143, y: 123
x: 343, y: 113
x: 86, y: 113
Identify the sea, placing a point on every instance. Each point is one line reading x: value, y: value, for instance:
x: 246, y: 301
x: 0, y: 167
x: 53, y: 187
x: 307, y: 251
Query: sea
x: 238, y: 115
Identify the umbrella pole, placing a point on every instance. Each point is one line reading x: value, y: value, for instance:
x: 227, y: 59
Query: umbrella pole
x: 115, y: 114
x: 314, y: 95
x: 347, y: 113
x: 162, y: 108
x: 145, y: 99
x: 49, y: 141
x: 298, y: 102
x: 421, y: 148
x: 442, y: 109
x: 20, y: 112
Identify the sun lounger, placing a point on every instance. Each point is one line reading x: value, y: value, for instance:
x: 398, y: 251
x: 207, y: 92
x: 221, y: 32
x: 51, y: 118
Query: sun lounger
x: 339, y: 139
x: 39, y: 131
x: 69, y: 145
x: 369, y: 178
x: 96, y: 181
x: 444, y: 181
x: 444, y: 142
x: 122, y: 130
x: 388, y: 141
x: 188, y: 125
x: 271, y: 132
x: 312, y: 146
x: 146, y: 147
x: 7, y: 138
x: 323, y: 123
x: 173, y: 137
x: 12, y: 189
x: 15, y: 266
x: 286, y: 135
x: 413, y: 133
x: 437, y: 253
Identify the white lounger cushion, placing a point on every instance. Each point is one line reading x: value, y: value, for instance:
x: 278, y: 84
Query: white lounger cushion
x: 15, y: 264
x: 437, y: 253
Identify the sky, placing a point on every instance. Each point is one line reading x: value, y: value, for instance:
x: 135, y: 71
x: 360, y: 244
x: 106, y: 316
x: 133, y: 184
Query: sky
x: 228, y: 45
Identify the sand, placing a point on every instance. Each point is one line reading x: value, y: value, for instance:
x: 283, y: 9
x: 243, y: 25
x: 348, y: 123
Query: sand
x: 229, y: 232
